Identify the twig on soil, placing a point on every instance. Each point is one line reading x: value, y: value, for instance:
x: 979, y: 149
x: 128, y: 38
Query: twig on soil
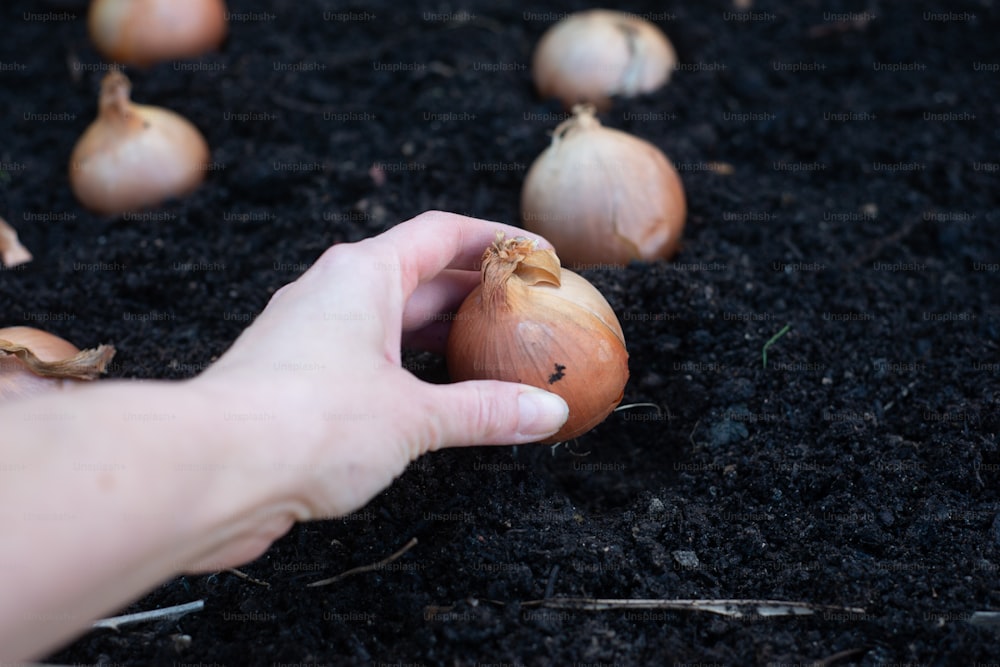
x: 875, y: 248
x: 985, y: 618
x: 366, y: 568
x: 841, y: 655
x: 568, y: 444
x: 659, y: 411
x: 763, y: 350
x: 629, y: 406
x: 244, y: 575
x: 550, y: 586
x: 731, y: 608
x: 167, y: 613
x: 693, y: 429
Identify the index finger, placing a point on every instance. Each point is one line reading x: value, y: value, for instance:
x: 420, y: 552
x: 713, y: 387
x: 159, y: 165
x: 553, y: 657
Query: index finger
x: 434, y: 241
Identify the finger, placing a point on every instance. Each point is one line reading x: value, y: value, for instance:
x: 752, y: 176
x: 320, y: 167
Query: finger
x: 435, y: 241
x: 383, y: 273
x: 488, y: 412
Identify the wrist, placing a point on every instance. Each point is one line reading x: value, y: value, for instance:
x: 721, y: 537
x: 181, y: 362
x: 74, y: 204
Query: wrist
x: 239, y: 438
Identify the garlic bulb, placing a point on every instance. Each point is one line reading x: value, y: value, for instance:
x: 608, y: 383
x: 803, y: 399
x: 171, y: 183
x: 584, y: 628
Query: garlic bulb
x: 533, y: 322
x: 145, y: 32
x: 135, y: 156
x: 33, y: 361
x: 593, y: 55
x: 603, y: 196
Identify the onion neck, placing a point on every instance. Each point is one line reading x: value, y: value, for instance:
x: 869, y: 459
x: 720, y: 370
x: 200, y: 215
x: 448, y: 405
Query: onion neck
x: 115, y: 104
x: 520, y: 259
x: 584, y: 118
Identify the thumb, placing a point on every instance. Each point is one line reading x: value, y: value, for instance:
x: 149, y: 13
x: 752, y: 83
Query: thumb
x: 489, y: 412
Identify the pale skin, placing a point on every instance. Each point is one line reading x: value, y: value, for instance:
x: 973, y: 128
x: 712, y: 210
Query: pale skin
x: 110, y: 489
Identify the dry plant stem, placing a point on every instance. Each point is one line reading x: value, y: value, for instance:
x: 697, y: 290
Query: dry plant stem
x: 84, y: 365
x: 631, y: 406
x: 840, y: 655
x: 366, y: 568
x: 985, y: 618
x: 173, y: 612
x: 246, y: 577
x: 874, y: 249
x: 731, y: 608
x: 12, y: 252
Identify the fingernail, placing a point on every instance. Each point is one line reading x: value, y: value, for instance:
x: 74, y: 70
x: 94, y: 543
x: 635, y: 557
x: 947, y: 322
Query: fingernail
x: 540, y: 413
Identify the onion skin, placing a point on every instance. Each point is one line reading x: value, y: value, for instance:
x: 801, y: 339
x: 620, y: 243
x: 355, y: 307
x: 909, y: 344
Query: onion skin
x: 602, y: 196
x: 135, y: 156
x: 592, y: 55
x: 12, y: 251
x: 530, y: 321
x: 33, y: 361
x: 146, y: 32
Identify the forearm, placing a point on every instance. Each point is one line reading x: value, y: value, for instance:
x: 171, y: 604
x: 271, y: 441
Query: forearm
x: 107, y: 491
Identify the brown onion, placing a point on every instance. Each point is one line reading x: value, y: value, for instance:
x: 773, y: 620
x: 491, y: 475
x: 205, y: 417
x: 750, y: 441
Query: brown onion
x: 593, y: 55
x: 533, y: 322
x: 135, y: 156
x: 145, y: 32
x: 603, y: 196
x: 33, y: 361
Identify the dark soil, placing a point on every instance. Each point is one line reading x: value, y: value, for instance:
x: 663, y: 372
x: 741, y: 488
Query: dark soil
x: 859, y: 209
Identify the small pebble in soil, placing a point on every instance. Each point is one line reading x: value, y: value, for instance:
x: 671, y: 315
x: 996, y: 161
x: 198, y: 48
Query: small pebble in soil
x: 181, y: 642
x: 726, y: 431
x: 656, y: 507
x: 739, y: 389
x: 686, y: 559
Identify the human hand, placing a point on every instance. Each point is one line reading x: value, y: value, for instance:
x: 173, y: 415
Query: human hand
x: 329, y: 415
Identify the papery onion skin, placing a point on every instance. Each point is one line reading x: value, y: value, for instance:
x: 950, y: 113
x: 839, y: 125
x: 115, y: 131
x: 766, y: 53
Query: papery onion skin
x: 603, y: 197
x: 58, y: 363
x: 135, y: 156
x: 549, y: 328
x: 12, y: 251
x: 146, y: 32
x: 593, y: 55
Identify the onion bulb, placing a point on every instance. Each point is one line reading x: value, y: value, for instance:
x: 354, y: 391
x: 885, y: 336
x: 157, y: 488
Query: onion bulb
x: 33, y: 361
x: 531, y: 321
x: 134, y: 156
x: 145, y: 32
x: 603, y: 196
x: 592, y: 55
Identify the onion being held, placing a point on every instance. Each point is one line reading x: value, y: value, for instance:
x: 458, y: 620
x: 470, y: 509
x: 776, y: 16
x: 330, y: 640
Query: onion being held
x: 533, y: 322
